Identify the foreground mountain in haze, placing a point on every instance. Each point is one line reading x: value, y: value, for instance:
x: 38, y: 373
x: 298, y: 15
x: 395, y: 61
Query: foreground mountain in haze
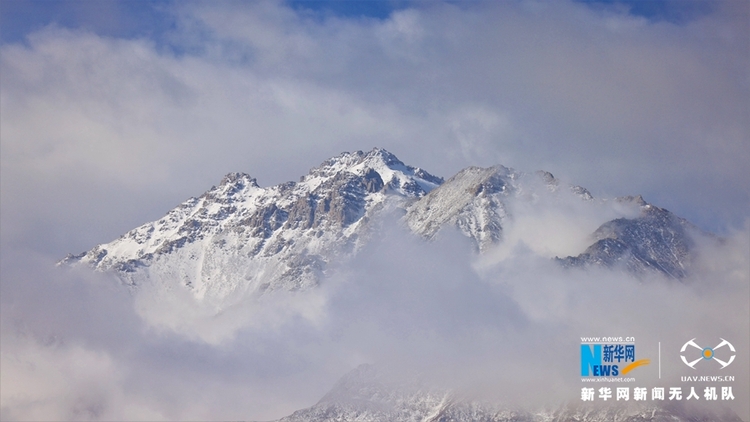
x: 240, y: 238
x: 366, y: 394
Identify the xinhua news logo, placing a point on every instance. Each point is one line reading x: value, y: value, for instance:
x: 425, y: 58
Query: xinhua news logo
x: 723, y: 354
x: 609, y: 360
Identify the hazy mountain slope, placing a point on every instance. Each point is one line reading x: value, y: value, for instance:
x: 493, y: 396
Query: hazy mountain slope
x: 472, y: 200
x: 476, y: 202
x: 655, y: 240
x: 367, y: 394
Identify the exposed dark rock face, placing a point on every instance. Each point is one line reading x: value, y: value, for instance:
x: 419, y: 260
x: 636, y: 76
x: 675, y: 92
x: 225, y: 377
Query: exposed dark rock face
x: 655, y: 240
x: 240, y: 236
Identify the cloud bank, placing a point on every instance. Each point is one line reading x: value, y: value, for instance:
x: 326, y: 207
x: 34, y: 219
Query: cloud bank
x: 597, y: 96
x: 77, y: 345
x: 101, y: 133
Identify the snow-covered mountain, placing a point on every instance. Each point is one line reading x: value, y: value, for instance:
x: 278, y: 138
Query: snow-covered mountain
x: 655, y: 240
x: 472, y: 200
x: 367, y: 395
x: 475, y: 201
x: 240, y: 238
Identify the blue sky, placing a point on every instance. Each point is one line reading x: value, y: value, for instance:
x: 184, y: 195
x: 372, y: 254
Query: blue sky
x: 339, y: 47
x: 110, y: 18
x: 148, y: 18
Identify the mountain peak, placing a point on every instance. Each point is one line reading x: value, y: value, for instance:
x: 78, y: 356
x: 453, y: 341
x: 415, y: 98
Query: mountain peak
x: 238, y: 236
x: 380, y: 156
x: 654, y: 240
x: 233, y: 187
x: 237, y: 178
x: 472, y: 200
x: 637, y: 200
x: 396, y: 176
x: 375, y: 157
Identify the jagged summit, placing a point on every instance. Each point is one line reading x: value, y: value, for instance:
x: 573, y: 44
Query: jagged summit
x: 473, y: 200
x: 654, y: 240
x: 238, y: 179
x: 380, y: 168
x: 238, y: 236
x: 241, y: 237
x: 476, y: 201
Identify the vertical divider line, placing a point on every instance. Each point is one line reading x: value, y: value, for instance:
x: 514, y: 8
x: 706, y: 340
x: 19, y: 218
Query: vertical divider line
x: 659, y: 360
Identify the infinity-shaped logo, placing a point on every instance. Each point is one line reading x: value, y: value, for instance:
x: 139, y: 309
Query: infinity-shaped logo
x: 708, y: 353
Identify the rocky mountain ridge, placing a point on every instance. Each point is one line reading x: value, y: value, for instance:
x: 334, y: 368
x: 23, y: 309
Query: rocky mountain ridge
x: 656, y: 240
x: 240, y: 238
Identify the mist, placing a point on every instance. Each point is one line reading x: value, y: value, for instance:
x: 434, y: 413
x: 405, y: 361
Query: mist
x: 102, y: 130
x: 503, y: 328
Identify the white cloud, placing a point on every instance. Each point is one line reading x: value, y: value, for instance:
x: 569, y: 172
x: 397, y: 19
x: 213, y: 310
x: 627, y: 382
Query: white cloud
x: 101, y: 134
x: 507, y: 332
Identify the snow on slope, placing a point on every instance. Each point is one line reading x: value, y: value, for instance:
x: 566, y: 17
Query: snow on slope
x: 477, y: 201
x: 655, y: 240
x: 472, y: 200
x: 239, y: 238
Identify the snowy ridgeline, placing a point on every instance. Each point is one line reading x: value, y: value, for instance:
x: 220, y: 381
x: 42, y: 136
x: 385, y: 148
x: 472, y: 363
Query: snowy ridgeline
x: 240, y: 238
